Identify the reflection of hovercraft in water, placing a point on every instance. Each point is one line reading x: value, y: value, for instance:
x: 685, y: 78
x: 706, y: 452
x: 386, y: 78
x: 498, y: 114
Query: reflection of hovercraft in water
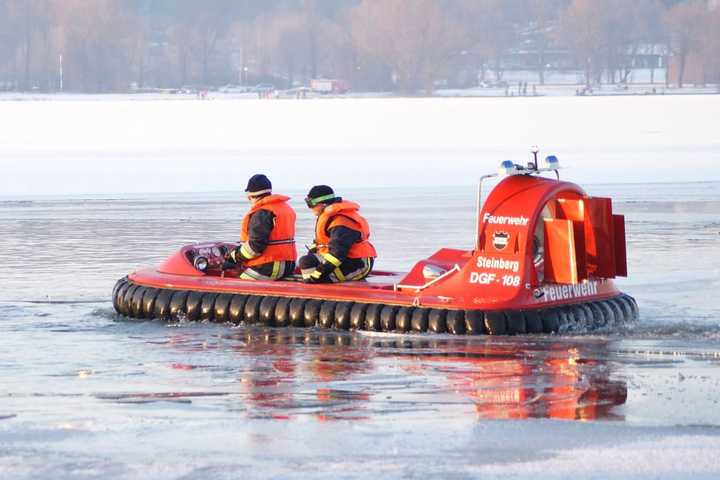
x: 544, y: 258
x: 514, y: 382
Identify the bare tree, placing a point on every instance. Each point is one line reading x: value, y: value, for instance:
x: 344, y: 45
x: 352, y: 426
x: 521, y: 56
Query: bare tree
x: 630, y: 26
x: 337, y: 55
x: 584, y: 30
x: 242, y: 38
x: 648, y: 19
x: 209, y: 27
x: 684, y: 22
x: 711, y: 46
x: 97, y: 39
x: 28, y: 24
x: 487, y: 29
x: 544, y: 16
x: 138, y: 46
x: 9, y: 40
x: 378, y: 44
x: 196, y: 34
x: 312, y: 22
x: 413, y: 37
x: 289, y: 43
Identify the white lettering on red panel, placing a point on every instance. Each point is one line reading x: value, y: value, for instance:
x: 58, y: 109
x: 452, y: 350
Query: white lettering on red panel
x: 498, y: 263
x: 502, y: 220
x: 564, y: 292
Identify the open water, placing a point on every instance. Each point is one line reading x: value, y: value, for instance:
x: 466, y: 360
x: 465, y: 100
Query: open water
x: 87, y: 394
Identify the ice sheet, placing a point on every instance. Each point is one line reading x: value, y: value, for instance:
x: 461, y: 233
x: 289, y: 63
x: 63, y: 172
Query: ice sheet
x: 85, y: 394
x: 151, y: 146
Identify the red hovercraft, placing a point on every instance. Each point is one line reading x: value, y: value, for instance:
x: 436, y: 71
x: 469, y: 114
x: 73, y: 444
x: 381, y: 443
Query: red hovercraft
x: 544, y: 259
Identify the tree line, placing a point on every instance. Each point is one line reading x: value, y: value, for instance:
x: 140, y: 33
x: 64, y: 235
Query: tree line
x: 401, y: 45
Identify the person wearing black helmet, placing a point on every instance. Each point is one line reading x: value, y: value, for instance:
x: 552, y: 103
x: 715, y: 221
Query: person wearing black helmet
x: 342, y: 250
x: 267, y: 236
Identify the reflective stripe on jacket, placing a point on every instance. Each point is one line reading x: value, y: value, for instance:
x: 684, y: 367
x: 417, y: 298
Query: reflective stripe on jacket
x: 281, y: 243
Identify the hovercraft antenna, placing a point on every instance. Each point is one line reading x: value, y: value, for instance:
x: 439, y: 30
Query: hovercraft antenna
x: 534, y: 164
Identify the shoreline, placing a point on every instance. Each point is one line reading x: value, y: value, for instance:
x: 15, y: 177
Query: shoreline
x: 557, y: 90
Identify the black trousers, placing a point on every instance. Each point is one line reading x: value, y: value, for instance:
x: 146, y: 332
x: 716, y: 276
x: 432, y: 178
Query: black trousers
x: 351, y: 269
x: 268, y: 271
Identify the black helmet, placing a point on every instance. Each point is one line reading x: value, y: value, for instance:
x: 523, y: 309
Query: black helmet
x: 320, y: 194
x: 258, y: 184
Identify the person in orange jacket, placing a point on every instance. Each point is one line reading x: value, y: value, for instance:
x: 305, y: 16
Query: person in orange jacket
x: 342, y: 250
x: 267, y: 236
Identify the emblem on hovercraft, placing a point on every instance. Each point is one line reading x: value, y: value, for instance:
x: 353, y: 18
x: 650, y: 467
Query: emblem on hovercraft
x: 500, y: 240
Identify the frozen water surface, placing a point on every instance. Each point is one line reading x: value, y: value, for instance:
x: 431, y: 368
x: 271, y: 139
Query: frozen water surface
x: 85, y: 394
x: 158, y: 146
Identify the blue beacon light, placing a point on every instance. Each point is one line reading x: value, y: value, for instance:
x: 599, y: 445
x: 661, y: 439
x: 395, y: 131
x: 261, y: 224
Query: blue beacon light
x: 507, y: 167
x: 552, y: 162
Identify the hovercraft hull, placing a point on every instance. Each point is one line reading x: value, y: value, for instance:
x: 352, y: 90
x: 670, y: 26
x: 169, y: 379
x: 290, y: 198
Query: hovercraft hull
x: 356, y: 306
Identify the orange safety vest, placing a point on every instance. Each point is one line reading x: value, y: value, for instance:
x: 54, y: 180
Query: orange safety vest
x: 281, y: 245
x: 344, y: 214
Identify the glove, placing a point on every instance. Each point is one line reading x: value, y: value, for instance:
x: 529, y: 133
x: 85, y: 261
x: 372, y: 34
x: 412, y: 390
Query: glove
x: 312, y: 248
x: 232, y: 259
x: 320, y: 273
x: 315, y: 277
x: 234, y: 256
x: 325, y: 268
